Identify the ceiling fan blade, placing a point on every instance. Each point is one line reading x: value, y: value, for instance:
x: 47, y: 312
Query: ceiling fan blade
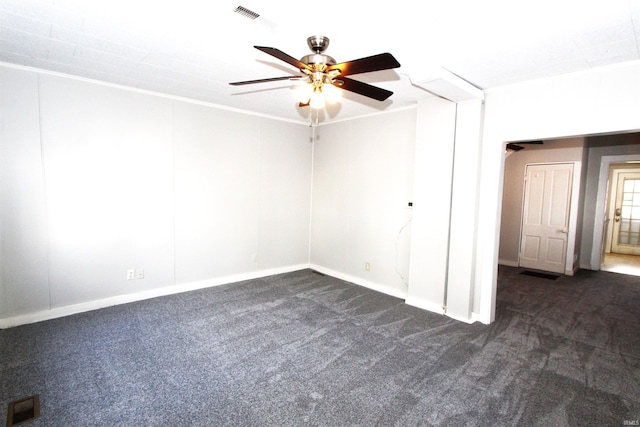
x: 514, y: 147
x: 277, y: 53
x: 531, y: 142
x: 271, y: 79
x: 361, y: 88
x: 382, y: 61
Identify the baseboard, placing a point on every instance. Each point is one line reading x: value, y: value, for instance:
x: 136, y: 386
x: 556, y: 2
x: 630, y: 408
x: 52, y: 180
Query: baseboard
x: 57, y: 312
x: 68, y: 310
x: 486, y: 319
x: 469, y: 320
x: 588, y: 267
x: 508, y: 263
x: 438, y: 309
x: 425, y: 305
x: 361, y: 282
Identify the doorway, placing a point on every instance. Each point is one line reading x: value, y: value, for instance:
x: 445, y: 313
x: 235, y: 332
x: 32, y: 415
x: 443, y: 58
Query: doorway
x: 589, y: 199
x: 622, y: 243
x: 545, y: 216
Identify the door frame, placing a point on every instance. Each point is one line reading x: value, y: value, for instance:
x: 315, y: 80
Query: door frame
x: 571, y: 261
x: 614, y: 176
x: 600, y: 220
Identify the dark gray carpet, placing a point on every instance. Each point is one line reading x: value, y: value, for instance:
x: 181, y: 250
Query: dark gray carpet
x: 307, y: 349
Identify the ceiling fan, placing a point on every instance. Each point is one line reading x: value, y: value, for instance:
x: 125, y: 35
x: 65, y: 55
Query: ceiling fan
x: 322, y: 74
x: 518, y: 146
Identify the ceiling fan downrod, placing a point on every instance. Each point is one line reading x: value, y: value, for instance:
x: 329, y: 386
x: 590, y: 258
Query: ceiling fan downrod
x: 318, y: 44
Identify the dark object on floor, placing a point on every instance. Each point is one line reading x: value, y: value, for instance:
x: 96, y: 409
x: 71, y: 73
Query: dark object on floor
x: 26, y: 409
x: 540, y: 275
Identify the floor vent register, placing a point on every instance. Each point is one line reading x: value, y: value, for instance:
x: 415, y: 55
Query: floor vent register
x: 22, y: 410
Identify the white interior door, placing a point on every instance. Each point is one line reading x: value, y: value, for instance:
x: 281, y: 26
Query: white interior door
x: 545, y: 222
x: 626, y: 215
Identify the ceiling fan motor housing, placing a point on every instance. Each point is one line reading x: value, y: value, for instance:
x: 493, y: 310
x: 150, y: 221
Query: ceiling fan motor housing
x: 318, y: 58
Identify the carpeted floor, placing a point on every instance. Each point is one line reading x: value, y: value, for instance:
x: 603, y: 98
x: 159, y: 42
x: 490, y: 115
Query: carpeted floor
x: 307, y: 349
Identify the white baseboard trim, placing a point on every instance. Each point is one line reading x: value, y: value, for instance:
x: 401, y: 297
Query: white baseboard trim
x: 425, y: 305
x: 361, y: 282
x: 469, y: 320
x: 486, y: 320
x: 588, y: 267
x: 438, y: 309
x: 508, y: 263
x: 68, y: 310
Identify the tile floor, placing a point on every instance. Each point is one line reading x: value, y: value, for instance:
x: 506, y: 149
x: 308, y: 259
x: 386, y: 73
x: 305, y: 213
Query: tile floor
x: 623, y: 264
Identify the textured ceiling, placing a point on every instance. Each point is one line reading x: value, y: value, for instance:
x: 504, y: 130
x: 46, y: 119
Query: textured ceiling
x: 193, y: 49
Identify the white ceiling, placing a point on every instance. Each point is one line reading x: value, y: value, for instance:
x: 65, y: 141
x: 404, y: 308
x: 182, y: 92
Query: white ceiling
x: 193, y: 49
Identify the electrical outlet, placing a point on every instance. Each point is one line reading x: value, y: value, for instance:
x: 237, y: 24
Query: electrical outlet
x: 367, y: 266
x: 139, y: 273
x: 131, y: 274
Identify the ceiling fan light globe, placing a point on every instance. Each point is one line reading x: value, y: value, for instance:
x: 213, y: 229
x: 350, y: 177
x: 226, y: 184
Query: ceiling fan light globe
x: 303, y: 91
x: 331, y: 93
x: 317, y: 101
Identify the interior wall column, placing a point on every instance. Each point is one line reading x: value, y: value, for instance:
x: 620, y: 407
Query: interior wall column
x: 463, y: 226
x: 433, y: 169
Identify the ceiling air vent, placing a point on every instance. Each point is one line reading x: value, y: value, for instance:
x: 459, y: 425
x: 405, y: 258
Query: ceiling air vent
x: 246, y: 12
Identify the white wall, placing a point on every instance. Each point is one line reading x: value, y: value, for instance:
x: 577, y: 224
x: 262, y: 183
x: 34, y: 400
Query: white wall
x: 242, y: 193
x: 107, y: 161
x: 362, y: 183
x: 98, y: 179
x: 24, y: 239
x: 599, y: 101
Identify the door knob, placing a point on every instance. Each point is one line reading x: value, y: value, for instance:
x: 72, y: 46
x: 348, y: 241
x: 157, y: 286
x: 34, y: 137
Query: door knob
x: 563, y: 230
